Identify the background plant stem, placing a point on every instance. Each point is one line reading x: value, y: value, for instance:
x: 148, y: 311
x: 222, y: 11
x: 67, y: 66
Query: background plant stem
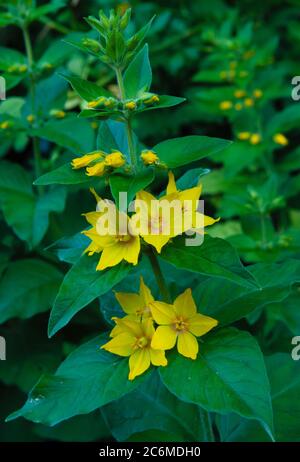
x: 159, y: 277
x: 129, y: 132
x: 206, y: 426
x: 35, y: 141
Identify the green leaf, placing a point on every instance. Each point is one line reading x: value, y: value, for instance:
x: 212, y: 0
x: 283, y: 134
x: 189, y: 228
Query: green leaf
x: 164, y: 101
x: 181, y: 151
x: 88, y: 379
x: 215, y: 257
x: 71, y: 133
x: 64, y: 174
x: 85, y: 89
x: 138, y: 76
x: 27, y: 287
x: 69, y: 249
x: 161, y: 411
x: 284, y: 375
x: 81, y: 285
x: 112, y: 136
x: 27, y: 214
x: 285, y: 120
x: 229, y: 302
x: 130, y: 184
x: 228, y: 376
x: 191, y: 178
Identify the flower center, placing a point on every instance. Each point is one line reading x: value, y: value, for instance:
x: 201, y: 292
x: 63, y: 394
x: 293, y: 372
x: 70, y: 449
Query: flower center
x: 180, y: 325
x: 141, y: 342
x: 144, y: 310
x: 123, y: 237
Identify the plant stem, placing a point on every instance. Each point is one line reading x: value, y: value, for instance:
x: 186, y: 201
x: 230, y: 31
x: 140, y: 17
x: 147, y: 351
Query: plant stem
x: 263, y: 229
x: 206, y: 426
x: 35, y: 141
x: 159, y: 277
x: 129, y: 132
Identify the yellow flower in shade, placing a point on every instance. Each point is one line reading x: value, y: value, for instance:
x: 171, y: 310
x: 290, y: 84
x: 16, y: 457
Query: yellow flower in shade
x: 149, y: 157
x: 30, y: 118
x: 239, y: 93
x: 180, y: 323
x: 5, y: 125
x: 115, y: 159
x: 111, y: 235
x: 249, y: 102
x: 87, y: 159
x: 130, y: 105
x: 257, y: 93
x: 243, y: 74
x: 134, y: 341
x: 223, y: 75
x: 243, y: 136
x: 57, y: 113
x: 22, y: 68
x: 135, y: 305
x: 238, y: 106
x: 171, y: 215
x: 255, y: 138
x: 225, y: 105
x: 279, y: 138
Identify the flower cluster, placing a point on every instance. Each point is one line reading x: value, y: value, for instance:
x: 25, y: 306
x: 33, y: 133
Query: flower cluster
x: 255, y: 138
x: 157, y: 220
x: 98, y: 163
x: 241, y: 99
x: 151, y: 327
x: 110, y: 103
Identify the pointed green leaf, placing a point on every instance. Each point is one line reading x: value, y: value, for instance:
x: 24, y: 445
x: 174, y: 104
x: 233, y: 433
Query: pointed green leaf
x: 138, y: 76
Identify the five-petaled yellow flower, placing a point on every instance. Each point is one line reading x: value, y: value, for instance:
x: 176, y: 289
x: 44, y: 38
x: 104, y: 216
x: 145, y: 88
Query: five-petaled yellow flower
x: 87, y: 159
x: 180, y: 323
x: 111, y: 235
x: 134, y: 340
x: 135, y: 305
x: 149, y: 157
x: 159, y: 220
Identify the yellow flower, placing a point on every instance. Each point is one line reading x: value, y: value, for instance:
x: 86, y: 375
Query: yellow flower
x: 239, y: 93
x: 224, y: 105
x: 97, y: 169
x: 83, y: 161
x: 111, y: 235
x: 171, y: 215
x: 238, y: 106
x: 134, y: 341
x: 22, y: 68
x: 249, y: 102
x: 115, y: 159
x: 243, y: 74
x: 153, y: 99
x: 136, y: 305
x: 96, y: 102
x: 57, y: 113
x: 243, y: 135
x: 130, y: 105
x: 180, y: 323
x: 223, y: 75
x: 30, y: 118
x: 255, y: 138
x: 279, y: 138
x: 109, y: 103
x: 257, y: 93
x: 5, y: 125
x: 149, y: 157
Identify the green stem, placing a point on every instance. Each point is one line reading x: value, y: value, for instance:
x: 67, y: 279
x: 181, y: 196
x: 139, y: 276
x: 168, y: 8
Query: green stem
x: 129, y: 131
x: 207, y: 430
x: 263, y: 229
x: 159, y: 277
x: 35, y: 141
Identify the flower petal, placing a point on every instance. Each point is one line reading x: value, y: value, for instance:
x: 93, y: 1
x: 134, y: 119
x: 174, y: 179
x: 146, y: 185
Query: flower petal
x: 145, y: 293
x: 111, y: 256
x: 171, y: 188
x: 200, y: 324
x: 163, y: 313
x: 131, y: 303
x: 131, y: 325
x: 157, y: 240
x: 158, y: 357
x: 184, y: 304
x: 164, y: 338
x: 121, y: 345
x: 132, y: 250
x: 187, y: 345
x: 139, y: 362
